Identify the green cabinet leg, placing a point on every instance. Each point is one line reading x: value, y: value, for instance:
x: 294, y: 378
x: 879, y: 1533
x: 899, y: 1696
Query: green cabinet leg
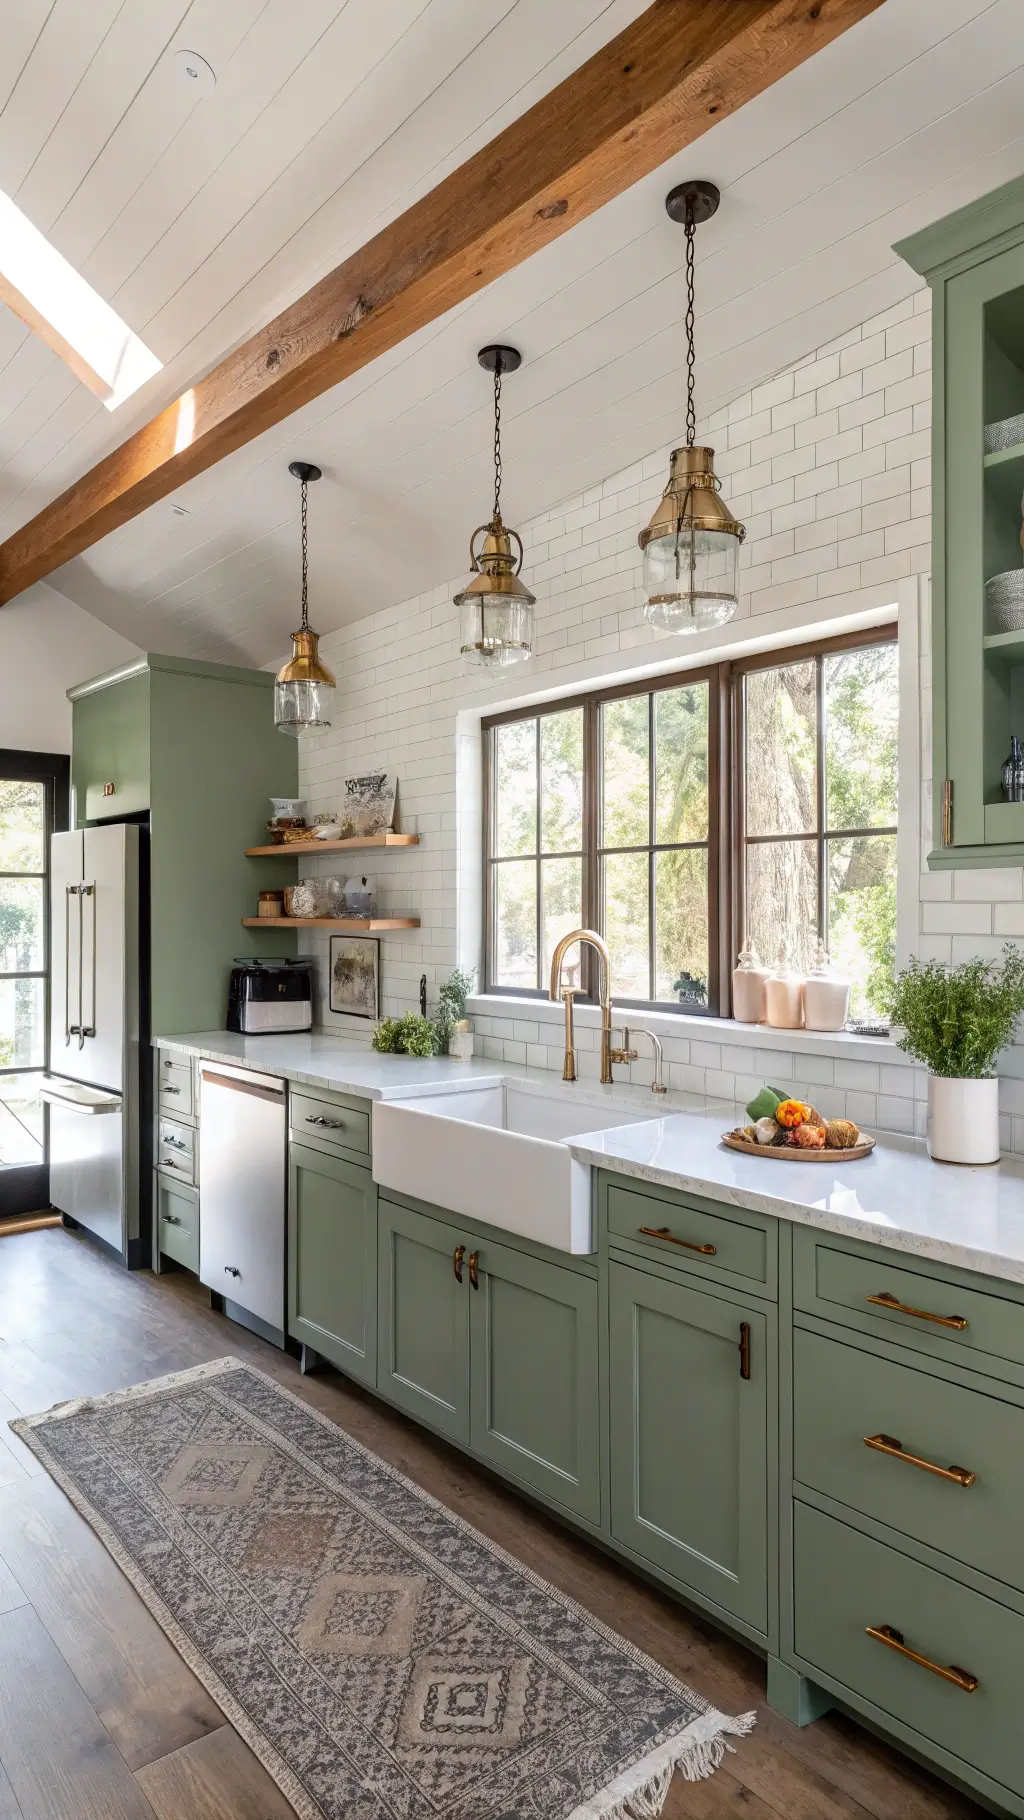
x: 791, y: 1694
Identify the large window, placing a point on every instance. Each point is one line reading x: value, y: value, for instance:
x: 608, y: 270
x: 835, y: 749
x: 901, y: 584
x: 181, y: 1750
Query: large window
x: 755, y: 798
x: 33, y: 801
x: 819, y: 811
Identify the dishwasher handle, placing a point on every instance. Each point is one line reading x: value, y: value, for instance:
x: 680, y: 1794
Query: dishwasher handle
x: 256, y: 1092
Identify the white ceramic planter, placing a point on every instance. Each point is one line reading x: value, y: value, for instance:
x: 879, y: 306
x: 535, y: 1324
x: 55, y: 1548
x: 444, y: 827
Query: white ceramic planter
x: 963, y: 1120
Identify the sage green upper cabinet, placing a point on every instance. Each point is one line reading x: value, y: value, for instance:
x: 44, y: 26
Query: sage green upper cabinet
x: 689, y: 1436
x: 974, y: 263
x: 195, y: 746
x: 423, y: 1318
x: 534, y: 1401
x: 110, y: 750
x: 332, y: 1259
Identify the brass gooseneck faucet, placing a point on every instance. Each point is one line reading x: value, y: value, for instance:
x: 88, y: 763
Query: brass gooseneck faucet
x: 587, y: 938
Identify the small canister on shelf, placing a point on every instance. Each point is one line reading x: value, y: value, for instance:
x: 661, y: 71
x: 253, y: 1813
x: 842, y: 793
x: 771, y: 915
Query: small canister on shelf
x: 784, y: 995
x: 748, y: 1000
x: 271, y: 903
x: 826, y: 995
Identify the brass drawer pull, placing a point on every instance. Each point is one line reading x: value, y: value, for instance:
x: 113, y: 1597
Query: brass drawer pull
x: 893, y: 1639
x: 457, y: 1257
x: 474, y: 1269
x: 662, y: 1232
x: 957, y: 1321
x: 896, y: 1451
x: 328, y: 1124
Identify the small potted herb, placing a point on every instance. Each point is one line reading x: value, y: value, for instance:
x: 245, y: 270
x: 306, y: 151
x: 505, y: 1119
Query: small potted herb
x: 691, y: 989
x: 956, y: 1020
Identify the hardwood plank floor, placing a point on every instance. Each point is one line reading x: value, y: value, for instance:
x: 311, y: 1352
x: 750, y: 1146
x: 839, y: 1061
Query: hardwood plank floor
x: 91, y: 1691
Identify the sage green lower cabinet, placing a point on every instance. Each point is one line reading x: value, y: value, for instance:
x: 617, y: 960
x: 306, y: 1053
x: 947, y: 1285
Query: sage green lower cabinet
x: 332, y: 1260
x: 689, y: 1437
x: 534, y: 1399
x: 177, y: 1221
x: 848, y: 1583
x: 423, y: 1318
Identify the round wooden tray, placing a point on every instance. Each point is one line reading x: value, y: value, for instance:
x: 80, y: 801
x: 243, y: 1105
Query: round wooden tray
x: 790, y: 1154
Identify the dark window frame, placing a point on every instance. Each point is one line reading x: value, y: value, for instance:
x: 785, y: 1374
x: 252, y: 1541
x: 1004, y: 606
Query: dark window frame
x: 727, y: 841
x: 25, y: 1186
x: 815, y: 650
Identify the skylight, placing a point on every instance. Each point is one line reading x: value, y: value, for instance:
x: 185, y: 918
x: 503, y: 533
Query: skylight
x: 55, y: 301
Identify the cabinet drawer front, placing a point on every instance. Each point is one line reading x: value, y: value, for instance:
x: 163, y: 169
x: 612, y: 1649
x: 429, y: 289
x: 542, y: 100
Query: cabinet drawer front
x: 176, y: 1149
x: 177, y: 1224
x: 330, y: 1123
x: 844, y: 1396
x: 174, y: 1083
x: 688, y: 1436
x: 846, y: 1581
x: 908, y: 1306
x: 688, y: 1235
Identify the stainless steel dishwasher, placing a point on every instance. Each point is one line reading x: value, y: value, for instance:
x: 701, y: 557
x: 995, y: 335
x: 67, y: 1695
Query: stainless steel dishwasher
x: 242, y: 1164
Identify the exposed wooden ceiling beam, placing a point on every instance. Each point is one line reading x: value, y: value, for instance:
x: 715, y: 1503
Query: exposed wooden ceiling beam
x: 681, y: 67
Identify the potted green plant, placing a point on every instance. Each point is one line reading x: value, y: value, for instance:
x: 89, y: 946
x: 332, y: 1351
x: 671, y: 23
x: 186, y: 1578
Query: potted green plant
x: 691, y: 989
x: 956, y: 1020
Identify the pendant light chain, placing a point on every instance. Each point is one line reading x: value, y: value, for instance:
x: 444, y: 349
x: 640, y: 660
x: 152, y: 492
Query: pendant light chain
x: 691, y: 416
x: 497, y: 438
x: 305, y: 561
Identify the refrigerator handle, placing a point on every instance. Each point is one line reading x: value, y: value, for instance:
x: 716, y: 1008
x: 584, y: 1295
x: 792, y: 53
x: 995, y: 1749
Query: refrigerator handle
x: 85, y: 1029
x: 70, y: 1029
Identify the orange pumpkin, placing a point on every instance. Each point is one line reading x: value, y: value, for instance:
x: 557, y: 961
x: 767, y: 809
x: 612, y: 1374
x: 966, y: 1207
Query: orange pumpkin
x: 790, y: 1113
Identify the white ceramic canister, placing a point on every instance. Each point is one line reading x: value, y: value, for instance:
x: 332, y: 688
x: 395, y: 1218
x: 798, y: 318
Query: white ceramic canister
x: 748, y: 978
x: 826, y: 995
x: 784, y: 995
x: 460, y: 1043
x: 963, y: 1120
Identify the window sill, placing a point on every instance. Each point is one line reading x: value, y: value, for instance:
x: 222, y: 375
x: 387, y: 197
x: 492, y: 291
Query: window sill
x: 717, y: 1030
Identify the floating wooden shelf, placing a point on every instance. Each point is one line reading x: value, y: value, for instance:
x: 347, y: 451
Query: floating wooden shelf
x: 343, y: 925
x: 297, y: 848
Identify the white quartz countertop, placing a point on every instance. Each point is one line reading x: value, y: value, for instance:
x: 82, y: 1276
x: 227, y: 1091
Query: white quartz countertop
x: 970, y: 1218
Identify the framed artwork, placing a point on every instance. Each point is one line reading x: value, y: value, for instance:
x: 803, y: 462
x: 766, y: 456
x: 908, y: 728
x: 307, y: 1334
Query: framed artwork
x: 355, y: 975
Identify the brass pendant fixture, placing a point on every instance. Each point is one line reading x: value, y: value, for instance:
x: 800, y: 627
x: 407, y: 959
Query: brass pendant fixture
x: 692, y: 544
x: 305, y: 688
x: 495, y: 606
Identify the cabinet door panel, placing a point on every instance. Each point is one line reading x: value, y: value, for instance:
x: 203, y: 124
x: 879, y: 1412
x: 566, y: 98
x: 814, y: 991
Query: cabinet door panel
x: 110, y: 745
x: 423, y: 1319
x: 689, y: 1438
x: 332, y: 1260
x: 534, y: 1376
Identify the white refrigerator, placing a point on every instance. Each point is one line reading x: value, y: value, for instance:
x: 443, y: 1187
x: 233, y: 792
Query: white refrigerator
x: 93, y: 1087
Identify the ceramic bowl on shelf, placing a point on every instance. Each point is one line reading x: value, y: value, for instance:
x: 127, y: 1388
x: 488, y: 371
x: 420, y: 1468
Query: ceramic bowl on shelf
x: 1004, y: 601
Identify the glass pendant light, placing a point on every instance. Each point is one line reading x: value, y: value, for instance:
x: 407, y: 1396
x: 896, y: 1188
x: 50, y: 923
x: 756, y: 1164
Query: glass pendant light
x: 692, y: 544
x: 305, y: 688
x: 495, y: 606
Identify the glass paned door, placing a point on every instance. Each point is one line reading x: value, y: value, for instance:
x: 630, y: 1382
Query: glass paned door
x: 33, y: 801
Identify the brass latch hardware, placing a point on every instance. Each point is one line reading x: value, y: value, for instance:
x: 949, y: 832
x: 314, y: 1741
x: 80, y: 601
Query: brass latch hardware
x: 957, y: 1321
x: 947, y: 813
x: 108, y: 790
x: 662, y: 1232
x: 893, y: 1639
x: 896, y: 1451
x: 744, y: 1349
x: 474, y: 1269
x: 459, y: 1254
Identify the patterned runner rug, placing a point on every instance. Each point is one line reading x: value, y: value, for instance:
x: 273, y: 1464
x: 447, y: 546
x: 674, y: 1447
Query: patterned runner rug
x: 383, y: 1659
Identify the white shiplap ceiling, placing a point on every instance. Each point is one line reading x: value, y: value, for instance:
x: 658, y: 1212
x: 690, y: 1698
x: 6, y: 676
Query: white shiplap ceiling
x: 327, y: 121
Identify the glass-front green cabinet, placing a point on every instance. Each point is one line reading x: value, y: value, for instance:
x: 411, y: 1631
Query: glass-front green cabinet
x: 974, y: 263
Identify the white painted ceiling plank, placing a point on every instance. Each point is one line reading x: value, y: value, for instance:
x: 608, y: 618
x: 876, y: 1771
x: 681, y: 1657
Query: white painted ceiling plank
x: 60, y: 57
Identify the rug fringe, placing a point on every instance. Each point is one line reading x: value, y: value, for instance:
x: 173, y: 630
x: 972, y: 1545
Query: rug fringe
x: 640, y: 1792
